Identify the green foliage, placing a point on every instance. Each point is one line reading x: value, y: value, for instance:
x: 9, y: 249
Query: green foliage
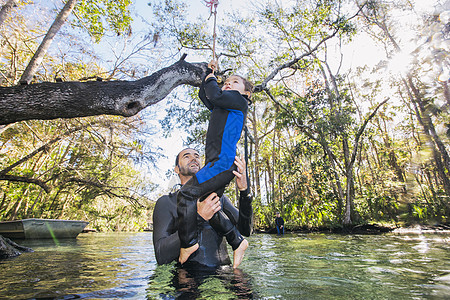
x: 191, y: 116
x: 89, y: 173
x: 94, y: 16
x: 310, y: 155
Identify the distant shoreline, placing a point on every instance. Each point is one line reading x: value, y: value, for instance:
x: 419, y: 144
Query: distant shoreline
x: 369, y: 229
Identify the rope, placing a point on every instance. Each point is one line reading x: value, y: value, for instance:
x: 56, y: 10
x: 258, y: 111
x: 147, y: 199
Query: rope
x: 246, y: 135
x: 212, y: 4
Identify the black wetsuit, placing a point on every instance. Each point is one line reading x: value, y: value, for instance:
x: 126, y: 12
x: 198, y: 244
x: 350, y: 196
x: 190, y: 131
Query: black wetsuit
x: 228, y: 115
x: 212, y: 251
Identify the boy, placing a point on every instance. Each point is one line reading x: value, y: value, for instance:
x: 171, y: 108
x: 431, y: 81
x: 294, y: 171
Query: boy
x: 228, y: 108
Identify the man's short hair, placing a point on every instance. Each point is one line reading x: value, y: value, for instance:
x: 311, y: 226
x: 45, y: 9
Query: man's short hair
x: 177, y: 158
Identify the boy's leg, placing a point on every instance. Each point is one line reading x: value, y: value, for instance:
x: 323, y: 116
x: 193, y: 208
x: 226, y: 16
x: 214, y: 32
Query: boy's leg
x: 187, y: 209
x: 187, y: 218
x: 222, y: 224
x: 238, y: 254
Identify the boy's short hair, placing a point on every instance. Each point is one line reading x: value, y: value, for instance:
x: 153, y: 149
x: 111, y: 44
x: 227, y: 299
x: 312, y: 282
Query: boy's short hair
x: 247, y: 83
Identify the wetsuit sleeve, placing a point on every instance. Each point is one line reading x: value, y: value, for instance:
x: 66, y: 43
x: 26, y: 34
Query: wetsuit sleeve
x: 242, y: 218
x: 202, y: 93
x: 165, y: 237
x: 245, y: 213
x: 223, y: 99
x: 229, y: 209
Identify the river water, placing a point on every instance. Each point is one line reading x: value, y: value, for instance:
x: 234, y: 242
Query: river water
x: 296, y: 266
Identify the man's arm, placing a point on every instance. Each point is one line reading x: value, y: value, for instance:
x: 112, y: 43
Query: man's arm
x: 245, y: 213
x: 244, y: 223
x: 165, y: 235
x: 242, y: 218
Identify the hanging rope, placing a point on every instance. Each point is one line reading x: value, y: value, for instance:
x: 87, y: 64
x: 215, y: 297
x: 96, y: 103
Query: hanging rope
x: 212, y: 4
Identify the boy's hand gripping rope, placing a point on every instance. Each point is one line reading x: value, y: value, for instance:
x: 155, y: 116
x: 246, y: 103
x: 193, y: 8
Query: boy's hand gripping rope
x: 212, y: 4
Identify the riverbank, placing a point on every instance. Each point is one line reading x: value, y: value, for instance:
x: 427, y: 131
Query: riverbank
x: 368, y: 229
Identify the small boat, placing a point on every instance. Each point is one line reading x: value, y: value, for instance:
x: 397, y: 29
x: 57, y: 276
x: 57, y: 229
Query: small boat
x: 41, y: 228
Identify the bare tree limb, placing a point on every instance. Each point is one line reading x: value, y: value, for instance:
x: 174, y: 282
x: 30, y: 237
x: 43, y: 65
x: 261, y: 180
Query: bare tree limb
x: 289, y: 64
x: 38, y: 182
x: 108, y: 190
x: 80, y: 99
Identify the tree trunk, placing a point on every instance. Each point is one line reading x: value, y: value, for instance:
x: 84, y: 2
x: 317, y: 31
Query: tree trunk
x: 349, y: 176
x: 9, y: 249
x: 5, y: 10
x: 440, y: 154
x: 38, y: 56
x: 80, y: 99
x: 257, y: 178
x: 337, y: 179
x: 350, y: 162
x: 273, y: 173
x: 431, y: 129
x: 348, y: 198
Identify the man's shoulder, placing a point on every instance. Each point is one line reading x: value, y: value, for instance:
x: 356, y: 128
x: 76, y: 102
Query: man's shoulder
x: 166, y: 199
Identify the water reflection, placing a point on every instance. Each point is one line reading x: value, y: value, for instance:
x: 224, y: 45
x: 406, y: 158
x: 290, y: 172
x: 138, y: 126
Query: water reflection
x: 296, y: 266
x: 197, y: 282
x: 111, y: 266
x: 321, y: 266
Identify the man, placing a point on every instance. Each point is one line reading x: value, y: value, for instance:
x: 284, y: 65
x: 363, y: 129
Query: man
x: 279, y: 222
x: 212, y: 251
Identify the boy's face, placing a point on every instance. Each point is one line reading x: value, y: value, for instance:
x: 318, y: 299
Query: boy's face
x: 235, y: 83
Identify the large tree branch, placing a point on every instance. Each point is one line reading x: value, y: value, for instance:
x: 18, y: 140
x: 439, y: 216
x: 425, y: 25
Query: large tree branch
x: 80, y: 99
x: 38, y: 182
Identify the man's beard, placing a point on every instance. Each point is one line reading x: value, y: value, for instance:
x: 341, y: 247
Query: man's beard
x: 187, y: 171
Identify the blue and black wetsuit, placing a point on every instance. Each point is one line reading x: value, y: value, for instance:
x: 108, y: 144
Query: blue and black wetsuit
x: 228, y: 114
